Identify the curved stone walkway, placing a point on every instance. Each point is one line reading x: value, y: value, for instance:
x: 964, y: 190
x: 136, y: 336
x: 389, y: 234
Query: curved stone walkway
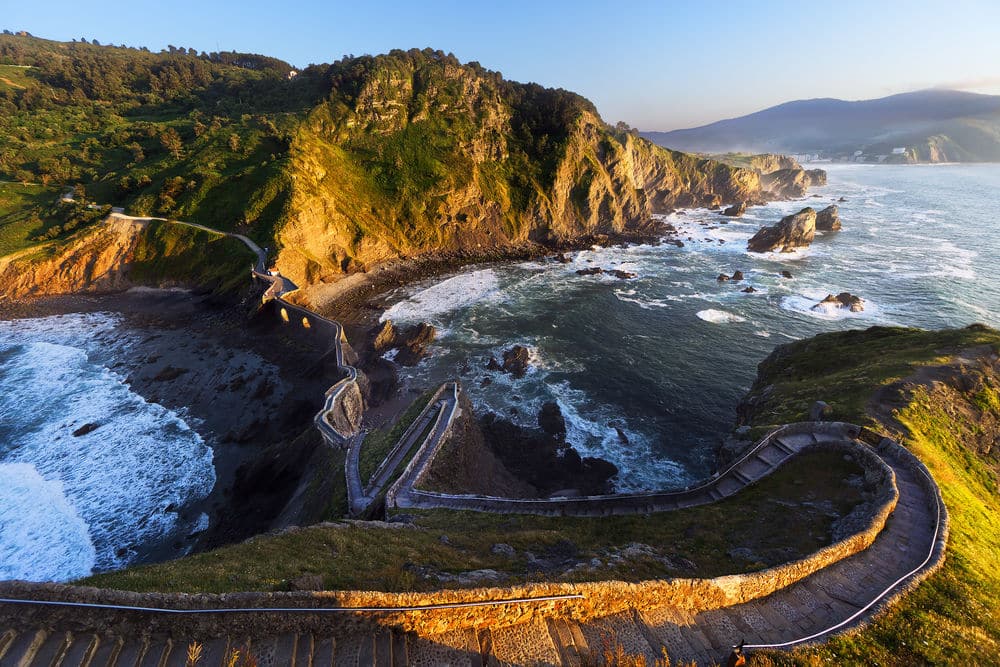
x: 361, y: 495
x: 837, y: 597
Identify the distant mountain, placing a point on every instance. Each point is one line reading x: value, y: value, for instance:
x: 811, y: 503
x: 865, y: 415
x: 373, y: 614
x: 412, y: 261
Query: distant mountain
x: 930, y: 125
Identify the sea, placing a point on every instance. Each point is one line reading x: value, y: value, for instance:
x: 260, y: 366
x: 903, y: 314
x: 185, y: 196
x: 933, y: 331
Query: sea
x: 648, y: 371
x: 74, y: 502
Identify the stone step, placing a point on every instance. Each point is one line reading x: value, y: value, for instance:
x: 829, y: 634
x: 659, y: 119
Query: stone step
x: 782, y: 446
x: 382, y: 648
x: 23, y: 649
x: 669, y: 627
x: 742, y: 476
x: 156, y: 654
x: 400, y: 653
x: 304, y: 647
x: 81, y: 651
x: 52, y: 651
x: 348, y: 648
x: 562, y: 637
x: 523, y: 643
x: 7, y: 638
x: 323, y: 650
x: 107, y: 652
x: 131, y: 654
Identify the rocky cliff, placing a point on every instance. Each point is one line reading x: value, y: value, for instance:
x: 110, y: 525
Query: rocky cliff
x: 414, y: 152
x: 97, y: 259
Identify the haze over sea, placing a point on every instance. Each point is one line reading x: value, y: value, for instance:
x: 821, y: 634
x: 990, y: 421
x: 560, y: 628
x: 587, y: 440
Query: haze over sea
x: 666, y: 357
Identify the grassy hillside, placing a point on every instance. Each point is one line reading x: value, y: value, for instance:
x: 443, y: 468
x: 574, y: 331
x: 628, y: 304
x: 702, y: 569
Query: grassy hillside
x: 949, y: 416
x: 340, y: 166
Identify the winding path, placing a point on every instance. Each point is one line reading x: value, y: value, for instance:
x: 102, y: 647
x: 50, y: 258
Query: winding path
x: 48, y: 625
x: 835, y: 598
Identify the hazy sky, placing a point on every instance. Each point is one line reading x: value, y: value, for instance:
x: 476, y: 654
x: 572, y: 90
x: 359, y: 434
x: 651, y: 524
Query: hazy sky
x: 655, y: 65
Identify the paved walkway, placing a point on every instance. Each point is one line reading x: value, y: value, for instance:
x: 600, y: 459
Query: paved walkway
x: 360, y: 494
x: 838, y: 597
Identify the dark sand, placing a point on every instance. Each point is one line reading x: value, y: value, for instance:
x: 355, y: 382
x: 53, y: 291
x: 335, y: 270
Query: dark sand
x: 246, y: 384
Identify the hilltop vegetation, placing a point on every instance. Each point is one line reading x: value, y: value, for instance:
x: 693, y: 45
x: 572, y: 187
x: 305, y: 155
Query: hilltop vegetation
x: 938, y: 392
x: 340, y: 166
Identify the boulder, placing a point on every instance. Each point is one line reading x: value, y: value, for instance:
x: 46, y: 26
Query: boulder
x: 786, y: 274
x: 622, y: 275
x: 842, y: 199
x: 385, y: 337
x: 551, y: 420
x: 749, y: 289
x: 736, y: 210
x: 85, y: 429
x: 562, y: 258
x: 515, y: 362
x: 843, y: 300
x: 723, y: 278
x: 591, y: 271
x: 794, y: 231
x: 737, y: 275
x: 413, y: 343
x: 828, y: 220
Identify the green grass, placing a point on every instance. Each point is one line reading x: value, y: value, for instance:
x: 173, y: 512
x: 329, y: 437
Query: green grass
x: 378, y: 443
x: 361, y: 557
x: 170, y: 252
x: 846, y: 368
x: 21, y: 214
x: 954, y: 616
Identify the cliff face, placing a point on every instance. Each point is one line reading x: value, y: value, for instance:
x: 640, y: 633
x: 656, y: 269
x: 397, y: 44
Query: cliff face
x: 98, y: 259
x: 414, y: 152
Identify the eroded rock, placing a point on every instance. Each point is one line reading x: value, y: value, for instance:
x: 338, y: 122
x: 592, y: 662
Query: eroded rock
x: 793, y: 231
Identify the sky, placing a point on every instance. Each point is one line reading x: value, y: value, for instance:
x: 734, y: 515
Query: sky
x: 654, y: 65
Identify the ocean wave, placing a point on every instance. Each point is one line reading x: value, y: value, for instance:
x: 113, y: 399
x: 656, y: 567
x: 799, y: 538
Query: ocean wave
x: 129, y: 478
x: 457, y: 292
x: 718, y: 316
x: 42, y: 536
x: 810, y: 305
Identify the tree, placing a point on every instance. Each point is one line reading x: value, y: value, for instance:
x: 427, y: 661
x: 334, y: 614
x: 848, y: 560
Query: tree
x: 234, y: 142
x: 171, y: 141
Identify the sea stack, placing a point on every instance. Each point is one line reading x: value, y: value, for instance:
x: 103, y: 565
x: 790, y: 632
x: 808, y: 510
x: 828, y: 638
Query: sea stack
x: 794, y: 231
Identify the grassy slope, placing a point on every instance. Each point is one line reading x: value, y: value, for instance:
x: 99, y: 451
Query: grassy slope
x: 953, y: 617
x: 362, y: 557
x: 174, y: 252
x: 19, y: 214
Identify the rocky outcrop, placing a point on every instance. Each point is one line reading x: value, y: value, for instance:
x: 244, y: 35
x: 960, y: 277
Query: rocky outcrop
x: 413, y: 342
x: 844, y: 300
x: 828, y: 220
x: 736, y: 210
x: 515, y: 362
x: 350, y: 209
x: 791, y: 183
x: 794, y: 231
x: 98, y: 259
x: 385, y: 337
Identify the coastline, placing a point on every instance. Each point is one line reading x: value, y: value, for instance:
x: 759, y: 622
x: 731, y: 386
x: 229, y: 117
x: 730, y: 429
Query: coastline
x: 245, y: 385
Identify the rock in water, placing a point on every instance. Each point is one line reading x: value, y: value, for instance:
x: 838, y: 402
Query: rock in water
x: 794, y: 231
x: 843, y: 300
x: 723, y: 278
x: 551, y: 420
x: 786, y: 274
x: 828, y: 220
x: 736, y: 210
x: 749, y: 289
x: 413, y: 344
x: 622, y: 275
x: 515, y: 362
x: 385, y: 337
x: 737, y: 275
x: 592, y: 271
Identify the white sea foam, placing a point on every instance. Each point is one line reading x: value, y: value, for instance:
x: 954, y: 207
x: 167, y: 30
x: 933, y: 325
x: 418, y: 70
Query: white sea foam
x: 810, y: 305
x: 448, y: 295
x: 718, y: 316
x: 127, y: 479
x: 42, y: 536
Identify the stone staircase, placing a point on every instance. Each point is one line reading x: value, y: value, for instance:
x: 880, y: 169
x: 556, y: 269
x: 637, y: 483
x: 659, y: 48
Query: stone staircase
x: 832, y: 599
